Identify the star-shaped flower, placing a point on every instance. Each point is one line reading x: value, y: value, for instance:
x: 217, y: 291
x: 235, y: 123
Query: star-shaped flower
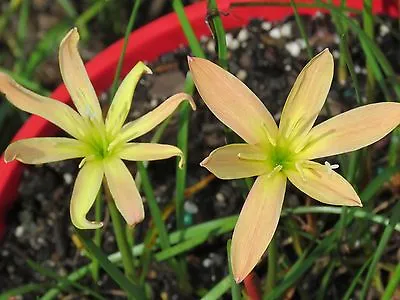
x: 101, y: 144
x: 277, y: 154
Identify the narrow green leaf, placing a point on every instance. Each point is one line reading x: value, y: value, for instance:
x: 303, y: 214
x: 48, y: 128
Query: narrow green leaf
x: 302, y: 30
x: 392, y: 285
x: 235, y: 288
x: 356, y: 279
x: 24, y: 289
x: 217, y: 291
x: 387, y: 233
x: 110, y: 268
x: 215, y: 23
x: 53, y: 275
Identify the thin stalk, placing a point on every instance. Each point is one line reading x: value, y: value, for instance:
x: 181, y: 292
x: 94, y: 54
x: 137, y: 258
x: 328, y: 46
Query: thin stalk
x: 342, y: 73
x: 218, y: 290
x: 218, y: 31
x: 224, y: 225
x: 235, y: 288
x: 302, y: 30
x: 126, y: 254
x: 394, y: 282
x: 368, y: 24
x: 153, y: 206
x: 98, y: 207
x: 387, y: 233
x: 272, y: 266
x: 194, y: 43
x: 128, y: 30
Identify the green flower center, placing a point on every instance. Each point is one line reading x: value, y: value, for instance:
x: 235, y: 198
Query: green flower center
x: 282, y: 157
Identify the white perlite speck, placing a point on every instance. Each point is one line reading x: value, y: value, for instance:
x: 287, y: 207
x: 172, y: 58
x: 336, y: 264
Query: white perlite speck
x: 275, y: 33
x: 293, y: 48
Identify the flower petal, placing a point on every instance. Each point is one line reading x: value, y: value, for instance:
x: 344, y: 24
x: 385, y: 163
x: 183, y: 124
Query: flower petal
x: 149, y: 151
x: 257, y: 223
x: 54, y: 111
x: 236, y: 161
x: 352, y: 130
x: 123, y: 189
x: 76, y: 79
x: 86, y: 188
x: 44, y: 150
x: 150, y: 120
x: 323, y: 184
x: 232, y: 102
x: 122, y: 101
x: 307, y: 96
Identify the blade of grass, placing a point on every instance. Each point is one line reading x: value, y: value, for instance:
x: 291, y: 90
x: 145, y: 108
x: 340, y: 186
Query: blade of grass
x: 342, y: 30
x: 88, y: 15
x: 127, y: 258
x: 217, y: 291
x: 235, y: 288
x: 357, y: 277
x: 392, y: 285
x: 53, y: 275
x: 153, y: 206
x: 368, y: 25
x: 68, y: 8
x: 302, y: 30
x: 214, y: 227
x: 272, y: 253
x: 129, y: 27
x: 218, y: 31
x: 98, y: 208
x: 328, y: 243
x: 46, y: 46
x: 194, y: 43
x: 132, y: 289
x: 387, y: 233
x: 24, y: 289
x: 325, y: 280
x: 21, y: 34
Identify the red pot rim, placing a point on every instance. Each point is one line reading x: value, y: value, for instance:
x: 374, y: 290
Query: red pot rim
x: 147, y: 43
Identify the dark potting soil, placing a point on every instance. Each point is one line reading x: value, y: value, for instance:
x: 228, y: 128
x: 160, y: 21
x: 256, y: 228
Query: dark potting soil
x: 267, y: 57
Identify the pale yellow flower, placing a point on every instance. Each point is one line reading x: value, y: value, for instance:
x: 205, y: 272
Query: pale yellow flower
x: 101, y: 144
x: 277, y: 154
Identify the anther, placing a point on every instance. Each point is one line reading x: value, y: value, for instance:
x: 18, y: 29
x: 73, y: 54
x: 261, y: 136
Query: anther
x: 330, y: 167
x: 82, y: 163
x: 300, y: 170
x: 276, y: 170
x: 251, y: 156
x: 269, y: 137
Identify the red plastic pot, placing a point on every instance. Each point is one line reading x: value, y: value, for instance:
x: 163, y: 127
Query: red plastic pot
x: 147, y: 43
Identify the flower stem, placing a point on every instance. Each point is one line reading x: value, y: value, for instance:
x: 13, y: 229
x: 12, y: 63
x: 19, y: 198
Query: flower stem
x: 122, y: 243
x: 98, y: 233
x: 272, y: 266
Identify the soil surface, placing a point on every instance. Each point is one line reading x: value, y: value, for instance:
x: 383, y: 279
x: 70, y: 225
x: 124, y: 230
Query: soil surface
x: 267, y: 57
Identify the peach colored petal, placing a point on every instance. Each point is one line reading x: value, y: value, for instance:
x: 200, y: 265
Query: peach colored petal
x: 150, y: 120
x: 257, y: 223
x: 148, y: 151
x: 233, y: 102
x: 307, y: 96
x: 52, y: 110
x: 352, y: 130
x: 76, y: 79
x: 323, y: 184
x: 236, y: 161
x: 122, y: 101
x: 44, y: 150
x: 86, y: 188
x: 123, y: 189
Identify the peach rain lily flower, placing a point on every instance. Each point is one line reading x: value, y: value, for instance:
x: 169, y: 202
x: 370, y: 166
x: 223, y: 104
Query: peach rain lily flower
x: 101, y: 144
x: 277, y: 154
